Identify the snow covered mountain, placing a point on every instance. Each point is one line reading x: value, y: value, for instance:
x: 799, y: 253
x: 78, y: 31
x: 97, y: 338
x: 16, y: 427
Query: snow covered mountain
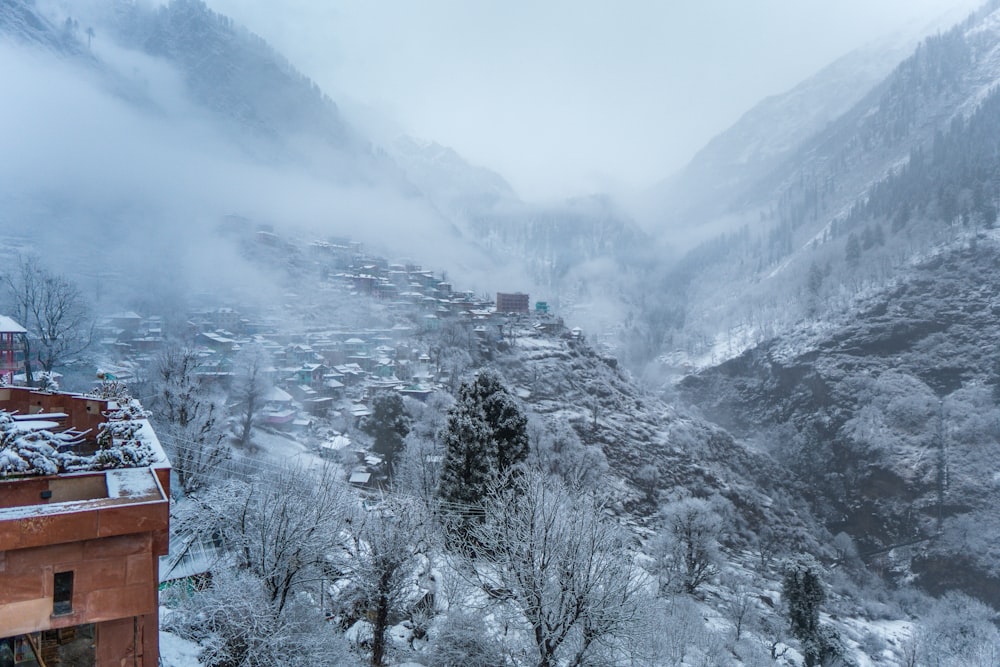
x: 216, y: 122
x: 855, y: 418
x: 889, y: 419
x: 849, y: 326
x: 809, y: 232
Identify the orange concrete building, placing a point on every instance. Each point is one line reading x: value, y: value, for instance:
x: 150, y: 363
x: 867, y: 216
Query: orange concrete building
x: 81, y: 531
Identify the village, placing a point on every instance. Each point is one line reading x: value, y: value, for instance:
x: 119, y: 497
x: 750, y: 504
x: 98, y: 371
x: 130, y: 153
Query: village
x: 321, y: 377
x: 352, y: 329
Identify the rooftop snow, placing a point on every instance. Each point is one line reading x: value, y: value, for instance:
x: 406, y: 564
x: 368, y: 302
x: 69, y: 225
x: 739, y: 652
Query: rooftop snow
x: 7, y: 325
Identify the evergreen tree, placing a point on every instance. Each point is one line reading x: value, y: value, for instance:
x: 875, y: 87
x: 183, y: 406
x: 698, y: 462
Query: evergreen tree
x: 803, y: 593
x: 486, y: 435
x: 504, y: 417
x: 389, y: 425
x: 470, y: 455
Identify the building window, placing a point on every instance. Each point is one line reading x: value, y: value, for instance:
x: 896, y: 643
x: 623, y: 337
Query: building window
x: 62, y: 593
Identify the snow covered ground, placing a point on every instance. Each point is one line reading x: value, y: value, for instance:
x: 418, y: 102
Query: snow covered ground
x: 177, y: 652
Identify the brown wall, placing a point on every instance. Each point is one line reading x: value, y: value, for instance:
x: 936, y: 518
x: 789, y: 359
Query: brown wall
x: 24, y: 491
x: 83, y: 412
x: 113, y: 578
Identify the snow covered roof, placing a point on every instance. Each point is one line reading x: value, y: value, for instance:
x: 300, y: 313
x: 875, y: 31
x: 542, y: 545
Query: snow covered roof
x: 189, y: 555
x: 278, y: 395
x: 123, y: 487
x: 31, y: 446
x: 359, y: 477
x: 337, y: 442
x: 7, y: 325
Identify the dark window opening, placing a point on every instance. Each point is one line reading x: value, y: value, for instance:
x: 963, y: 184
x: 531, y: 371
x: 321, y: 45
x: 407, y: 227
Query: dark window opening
x: 62, y: 593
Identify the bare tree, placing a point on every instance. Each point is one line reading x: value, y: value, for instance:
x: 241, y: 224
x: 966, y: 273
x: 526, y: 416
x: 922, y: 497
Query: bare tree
x: 236, y: 624
x: 556, y: 449
x: 739, y: 605
x: 687, y: 551
x: 21, y: 283
x: 380, y: 556
x: 187, y: 418
x: 418, y: 469
x: 53, y: 311
x: 549, y: 554
x: 956, y: 630
x: 278, y: 528
x: 250, y: 385
x: 461, y: 642
x: 61, y: 320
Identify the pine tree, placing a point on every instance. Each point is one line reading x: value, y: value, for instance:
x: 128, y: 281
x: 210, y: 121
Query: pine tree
x: 486, y: 436
x: 470, y: 455
x: 389, y: 425
x: 852, y: 251
x: 803, y: 593
x: 504, y: 417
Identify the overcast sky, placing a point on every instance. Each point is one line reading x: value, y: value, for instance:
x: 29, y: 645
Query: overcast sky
x: 569, y: 96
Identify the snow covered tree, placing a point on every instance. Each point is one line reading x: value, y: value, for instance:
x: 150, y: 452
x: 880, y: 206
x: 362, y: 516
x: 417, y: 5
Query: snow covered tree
x: 279, y: 528
x: 556, y: 449
x: 549, y: 555
x: 470, y: 457
x: 957, y: 630
x: 687, y: 551
x: 187, y: 418
x: 379, y: 557
x: 250, y: 384
x: 236, y: 624
x: 388, y: 424
x: 486, y: 435
x: 505, y: 417
x: 803, y: 594
x: 462, y: 643
x: 53, y: 311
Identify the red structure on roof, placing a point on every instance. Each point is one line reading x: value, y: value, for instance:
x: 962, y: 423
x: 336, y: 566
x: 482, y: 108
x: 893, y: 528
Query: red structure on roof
x: 11, y: 348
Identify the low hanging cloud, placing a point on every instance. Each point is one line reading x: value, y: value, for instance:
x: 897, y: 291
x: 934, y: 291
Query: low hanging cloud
x: 112, y: 154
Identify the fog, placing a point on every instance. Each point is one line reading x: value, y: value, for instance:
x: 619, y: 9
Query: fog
x: 121, y: 166
x: 117, y: 167
x: 571, y: 97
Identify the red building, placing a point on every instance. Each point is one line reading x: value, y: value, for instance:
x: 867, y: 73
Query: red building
x: 512, y: 303
x: 84, y: 518
x: 11, y: 348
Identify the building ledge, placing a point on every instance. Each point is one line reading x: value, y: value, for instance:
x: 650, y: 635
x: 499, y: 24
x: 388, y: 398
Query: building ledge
x: 104, y: 504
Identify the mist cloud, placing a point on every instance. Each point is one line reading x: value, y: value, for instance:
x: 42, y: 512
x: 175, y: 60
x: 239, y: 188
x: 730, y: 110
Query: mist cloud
x: 568, y: 97
x: 118, y: 149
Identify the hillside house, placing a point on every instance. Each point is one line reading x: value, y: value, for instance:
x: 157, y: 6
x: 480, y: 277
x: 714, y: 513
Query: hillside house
x: 12, y: 337
x: 311, y: 375
x: 80, y: 536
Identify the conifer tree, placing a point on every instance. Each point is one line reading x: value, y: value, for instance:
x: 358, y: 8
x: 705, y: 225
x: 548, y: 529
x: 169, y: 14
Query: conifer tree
x: 389, y: 425
x: 486, y: 435
x: 504, y: 417
x: 803, y: 593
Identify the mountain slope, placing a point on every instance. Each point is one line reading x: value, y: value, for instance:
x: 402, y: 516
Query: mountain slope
x: 20, y: 20
x: 890, y: 419
x: 803, y: 244
x: 727, y: 168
